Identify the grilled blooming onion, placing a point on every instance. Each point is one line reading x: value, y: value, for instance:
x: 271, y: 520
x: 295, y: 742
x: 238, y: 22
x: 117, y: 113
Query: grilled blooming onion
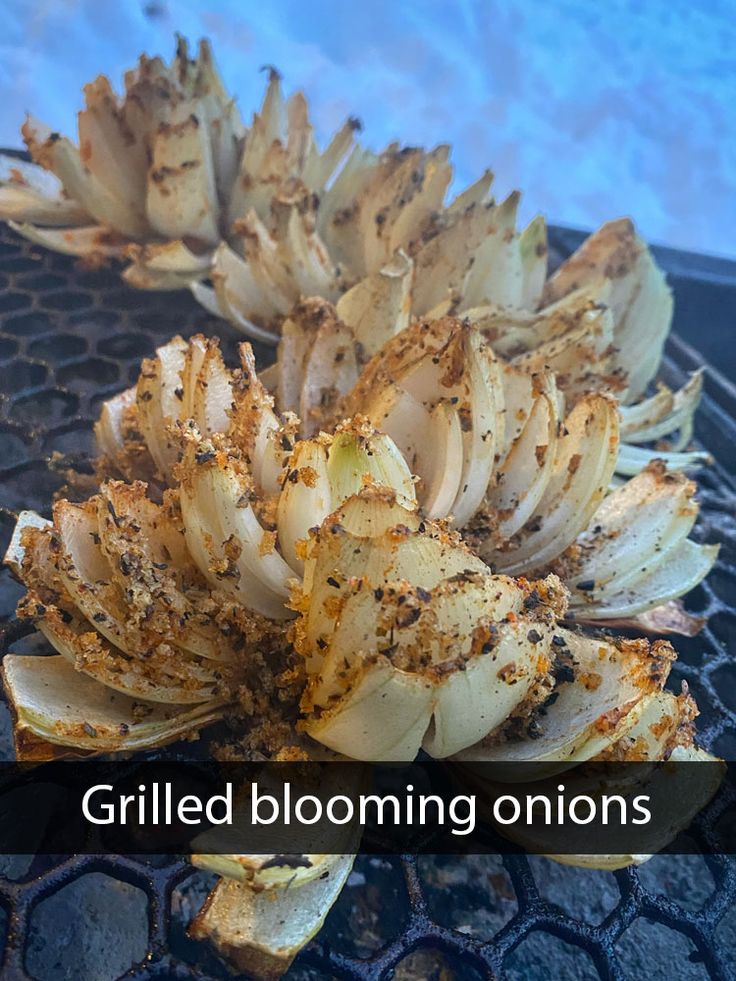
x: 169, y: 178
x: 527, y: 490
x: 151, y: 594
x: 160, y: 175
x: 528, y: 486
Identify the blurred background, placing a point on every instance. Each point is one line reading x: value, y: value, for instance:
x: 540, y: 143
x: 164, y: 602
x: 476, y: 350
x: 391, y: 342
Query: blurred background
x: 593, y: 110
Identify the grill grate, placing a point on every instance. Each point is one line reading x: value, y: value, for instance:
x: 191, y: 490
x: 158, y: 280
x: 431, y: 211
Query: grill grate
x: 69, y: 338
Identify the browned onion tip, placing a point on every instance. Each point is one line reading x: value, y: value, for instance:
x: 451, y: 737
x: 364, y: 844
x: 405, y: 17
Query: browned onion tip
x: 260, y: 932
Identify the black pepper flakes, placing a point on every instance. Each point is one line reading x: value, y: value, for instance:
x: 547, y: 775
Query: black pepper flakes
x: 113, y: 513
x: 407, y: 617
x: 562, y: 669
x: 533, y: 600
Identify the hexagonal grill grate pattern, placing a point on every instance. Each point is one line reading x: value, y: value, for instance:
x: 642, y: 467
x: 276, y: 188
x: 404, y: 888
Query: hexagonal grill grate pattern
x: 70, y: 337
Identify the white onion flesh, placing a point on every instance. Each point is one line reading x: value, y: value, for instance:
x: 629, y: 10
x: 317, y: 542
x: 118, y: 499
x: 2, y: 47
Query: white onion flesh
x: 635, y: 535
x: 583, y: 466
x: 663, y: 414
x: 686, y: 566
x: 523, y: 474
x: 56, y: 704
x: 453, y: 367
x: 633, y: 459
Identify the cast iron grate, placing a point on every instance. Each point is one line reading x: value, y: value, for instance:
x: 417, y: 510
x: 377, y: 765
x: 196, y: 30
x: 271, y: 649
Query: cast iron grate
x: 70, y: 337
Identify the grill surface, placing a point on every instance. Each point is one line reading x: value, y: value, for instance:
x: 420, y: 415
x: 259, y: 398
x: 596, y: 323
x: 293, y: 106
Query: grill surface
x: 69, y: 338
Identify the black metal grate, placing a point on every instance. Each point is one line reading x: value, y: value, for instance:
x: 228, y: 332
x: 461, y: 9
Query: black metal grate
x: 70, y: 337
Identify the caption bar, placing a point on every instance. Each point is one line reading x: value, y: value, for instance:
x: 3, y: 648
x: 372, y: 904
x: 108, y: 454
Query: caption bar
x: 331, y: 808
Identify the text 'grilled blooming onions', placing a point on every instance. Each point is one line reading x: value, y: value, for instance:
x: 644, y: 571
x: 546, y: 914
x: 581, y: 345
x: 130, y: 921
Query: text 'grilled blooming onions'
x: 443, y: 416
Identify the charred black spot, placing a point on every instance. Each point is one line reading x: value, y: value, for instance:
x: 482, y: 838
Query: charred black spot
x: 288, y: 862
